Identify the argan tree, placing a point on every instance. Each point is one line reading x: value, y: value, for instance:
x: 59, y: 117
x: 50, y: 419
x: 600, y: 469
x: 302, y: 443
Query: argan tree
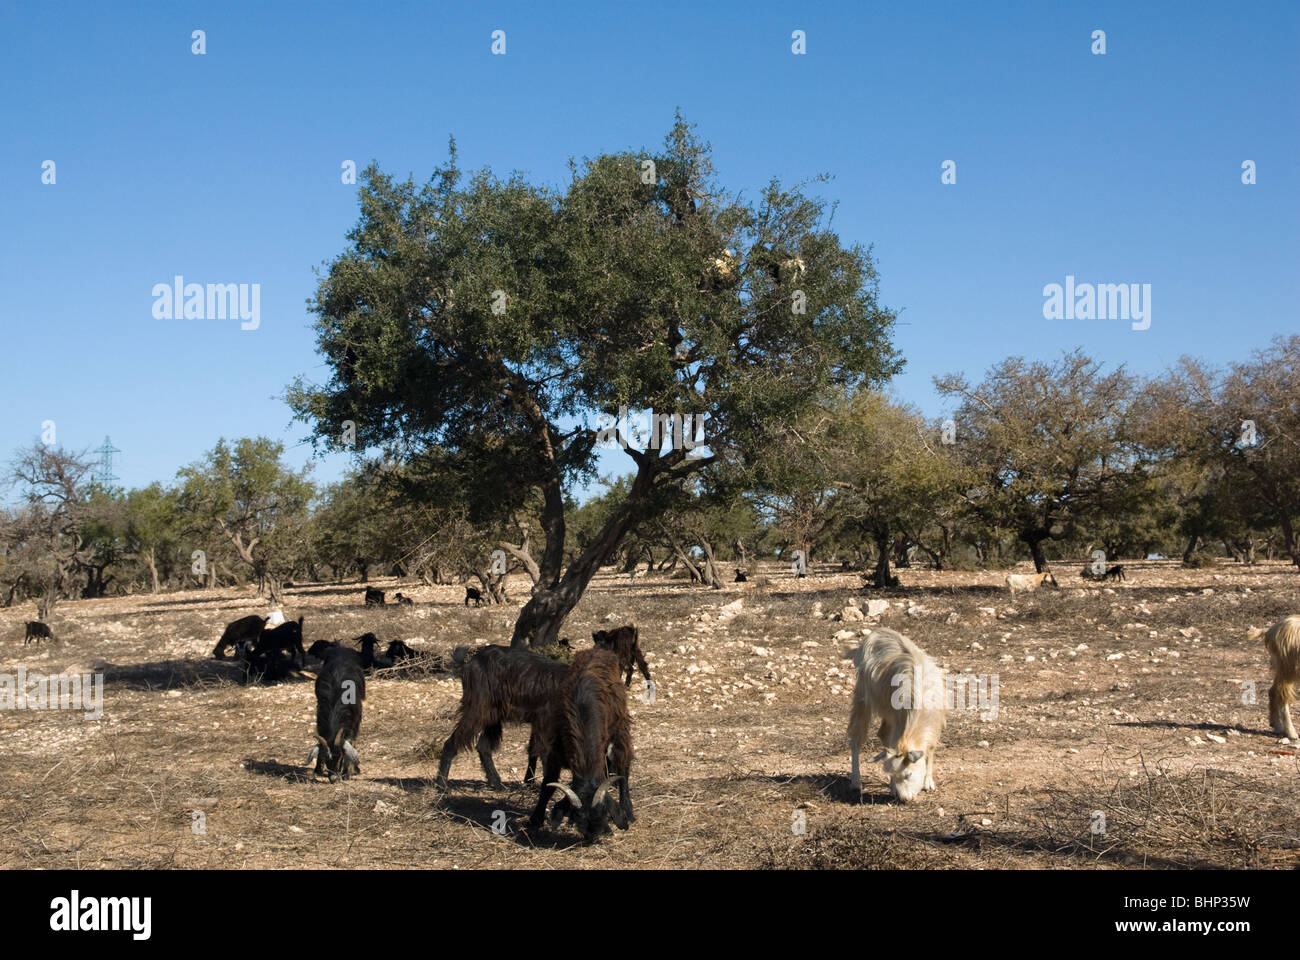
x: 496, y: 321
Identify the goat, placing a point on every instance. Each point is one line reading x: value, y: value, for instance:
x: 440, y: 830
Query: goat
x: 1029, y: 582
x: 472, y: 593
x: 340, y: 688
x: 499, y: 685
x: 245, y: 628
x: 407, y: 601
x: 1282, y: 640
x: 398, y: 650
x: 740, y: 576
x: 287, y: 636
x: 623, y: 642
x: 890, y: 666
x: 1115, y: 573
x: 374, y: 597
x: 37, y: 630
x: 589, y: 730
x: 321, y: 648
x: 368, y: 659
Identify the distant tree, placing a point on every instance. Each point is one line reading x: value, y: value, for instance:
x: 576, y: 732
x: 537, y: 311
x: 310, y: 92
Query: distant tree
x: 154, y: 528
x: 1047, y: 445
x: 257, y: 504
x: 1240, y: 426
x: 492, y: 321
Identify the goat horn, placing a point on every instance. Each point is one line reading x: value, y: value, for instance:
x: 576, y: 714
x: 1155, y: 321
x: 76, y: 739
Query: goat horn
x: 602, y: 790
x: 323, y: 742
x: 573, y: 797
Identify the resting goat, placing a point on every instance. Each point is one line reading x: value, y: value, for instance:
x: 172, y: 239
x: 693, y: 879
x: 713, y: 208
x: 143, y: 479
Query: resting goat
x: 740, y: 576
x: 404, y: 600
x: 398, y: 650
x: 36, y: 631
x: 340, y: 688
x: 1282, y: 640
x: 369, y: 661
x: 589, y: 730
x: 890, y: 666
x: 245, y: 628
x: 1028, y: 582
x: 321, y: 648
x: 374, y: 597
x: 623, y: 641
x: 473, y: 594
x: 499, y: 685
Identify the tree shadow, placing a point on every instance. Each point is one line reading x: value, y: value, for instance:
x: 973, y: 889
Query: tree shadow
x: 1170, y: 724
x: 180, y: 674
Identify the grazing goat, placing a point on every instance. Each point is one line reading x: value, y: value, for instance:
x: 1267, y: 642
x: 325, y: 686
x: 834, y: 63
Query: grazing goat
x: 740, y: 576
x: 499, y: 685
x: 404, y: 600
x: 589, y: 730
x: 623, y: 642
x: 472, y: 593
x: 287, y: 637
x: 1116, y: 572
x: 1282, y: 640
x: 245, y: 628
x: 37, y: 630
x: 892, y: 670
x: 1028, y: 582
x: 374, y: 597
x: 340, y: 688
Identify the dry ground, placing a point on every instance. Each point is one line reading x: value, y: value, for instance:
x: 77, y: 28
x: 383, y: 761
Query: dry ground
x: 1123, y: 699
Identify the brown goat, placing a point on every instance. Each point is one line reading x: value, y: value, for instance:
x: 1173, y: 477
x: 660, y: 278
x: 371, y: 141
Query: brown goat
x: 623, y: 641
x: 589, y: 730
x: 1282, y: 640
x: 245, y: 628
x: 499, y: 685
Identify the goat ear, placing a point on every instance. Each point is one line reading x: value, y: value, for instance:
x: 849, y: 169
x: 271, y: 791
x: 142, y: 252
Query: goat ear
x: 878, y: 757
x: 914, y: 756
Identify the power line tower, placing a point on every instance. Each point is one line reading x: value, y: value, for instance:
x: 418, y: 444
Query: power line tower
x: 104, y: 472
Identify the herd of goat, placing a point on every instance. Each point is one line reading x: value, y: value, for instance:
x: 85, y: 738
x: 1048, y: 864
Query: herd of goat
x: 576, y: 703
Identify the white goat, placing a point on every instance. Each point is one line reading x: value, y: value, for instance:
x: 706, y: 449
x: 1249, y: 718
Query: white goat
x: 1283, y: 643
x: 1028, y: 582
x: 898, y: 683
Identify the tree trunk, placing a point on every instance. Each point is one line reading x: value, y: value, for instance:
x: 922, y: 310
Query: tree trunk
x: 710, y: 568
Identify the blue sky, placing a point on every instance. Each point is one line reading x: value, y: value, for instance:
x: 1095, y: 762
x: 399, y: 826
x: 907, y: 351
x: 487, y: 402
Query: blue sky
x: 224, y: 168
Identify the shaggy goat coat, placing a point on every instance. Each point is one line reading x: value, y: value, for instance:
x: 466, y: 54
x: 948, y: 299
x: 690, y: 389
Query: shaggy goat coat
x: 1282, y: 640
x: 1028, y: 582
x: 901, y: 686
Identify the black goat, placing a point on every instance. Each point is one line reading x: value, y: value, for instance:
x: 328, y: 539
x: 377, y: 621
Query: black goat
x: 623, y: 642
x: 36, y: 631
x: 374, y: 598
x: 589, y: 730
x: 1116, y: 572
x: 368, y: 659
x: 245, y: 628
x: 499, y: 685
x: 321, y: 648
x: 471, y: 593
x: 398, y: 650
x: 340, y: 688
x: 287, y: 637
x: 740, y: 576
x: 404, y: 600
